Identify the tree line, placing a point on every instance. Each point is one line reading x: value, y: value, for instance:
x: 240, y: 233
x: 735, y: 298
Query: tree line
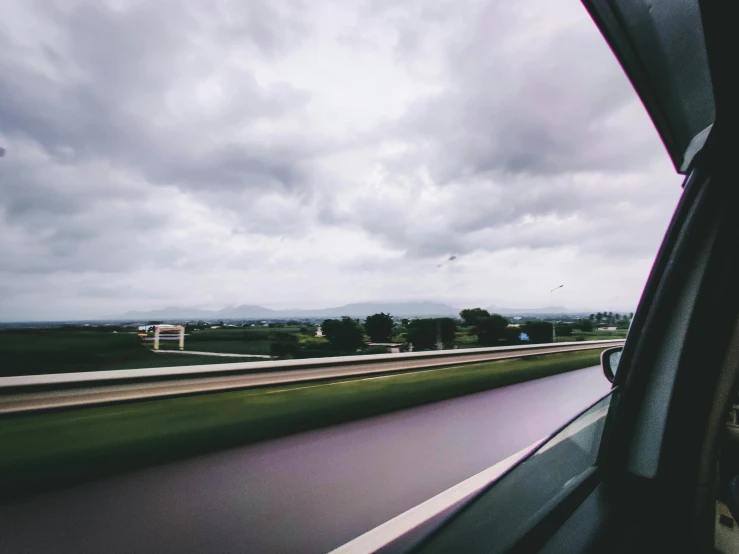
x: 350, y: 334
x: 424, y: 334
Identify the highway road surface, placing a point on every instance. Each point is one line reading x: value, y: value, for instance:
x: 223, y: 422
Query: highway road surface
x: 310, y: 492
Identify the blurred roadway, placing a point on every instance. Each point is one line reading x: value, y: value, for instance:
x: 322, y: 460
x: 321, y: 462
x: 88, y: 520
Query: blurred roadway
x: 309, y: 492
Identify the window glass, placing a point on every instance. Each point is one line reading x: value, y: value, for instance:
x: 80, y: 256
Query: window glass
x: 504, y: 513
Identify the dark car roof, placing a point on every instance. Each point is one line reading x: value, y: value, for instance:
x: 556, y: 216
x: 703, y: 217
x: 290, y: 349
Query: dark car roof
x: 661, y: 48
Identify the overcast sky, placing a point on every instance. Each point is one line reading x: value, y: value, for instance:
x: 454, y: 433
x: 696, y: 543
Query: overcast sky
x: 311, y: 154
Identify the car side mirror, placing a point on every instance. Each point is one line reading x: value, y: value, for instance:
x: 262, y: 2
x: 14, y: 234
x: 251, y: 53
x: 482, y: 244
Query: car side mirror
x: 609, y: 359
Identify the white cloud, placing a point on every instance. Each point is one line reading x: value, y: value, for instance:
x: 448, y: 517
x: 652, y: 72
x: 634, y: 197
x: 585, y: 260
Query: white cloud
x: 287, y: 154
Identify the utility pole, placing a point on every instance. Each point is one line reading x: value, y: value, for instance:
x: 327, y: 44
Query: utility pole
x: 554, y: 323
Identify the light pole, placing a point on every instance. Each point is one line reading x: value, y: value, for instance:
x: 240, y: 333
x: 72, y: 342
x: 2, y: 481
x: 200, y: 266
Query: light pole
x: 554, y: 323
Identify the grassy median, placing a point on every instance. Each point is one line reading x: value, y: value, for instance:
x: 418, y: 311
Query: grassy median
x: 50, y: 449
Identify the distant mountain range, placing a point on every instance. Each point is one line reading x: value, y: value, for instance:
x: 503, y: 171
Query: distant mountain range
x: 400, y: 309
x: 523, y: 311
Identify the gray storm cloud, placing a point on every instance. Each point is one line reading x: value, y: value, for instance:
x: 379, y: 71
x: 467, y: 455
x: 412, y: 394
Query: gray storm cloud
x: 242, y: 148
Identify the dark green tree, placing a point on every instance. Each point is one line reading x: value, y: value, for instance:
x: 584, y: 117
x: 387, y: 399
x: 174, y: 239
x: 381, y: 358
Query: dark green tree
x: 473, y: 315
x: 512, y: 334
x: 375, y: 350
x: 584, y: 325
x: 491, y: 330
x: 538, y: 331
x: 425, y: 334
x: 622, y: 324
x: 250, y: 336
x: 379, y: 327
x: 283, y: 345
x: 343, y: 334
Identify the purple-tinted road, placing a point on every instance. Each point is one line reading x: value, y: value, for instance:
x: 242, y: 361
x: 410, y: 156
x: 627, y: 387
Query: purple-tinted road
x: 310, y: 492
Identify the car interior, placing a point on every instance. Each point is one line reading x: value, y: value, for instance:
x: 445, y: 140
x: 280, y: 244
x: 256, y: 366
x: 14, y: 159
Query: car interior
x: 727, y: 494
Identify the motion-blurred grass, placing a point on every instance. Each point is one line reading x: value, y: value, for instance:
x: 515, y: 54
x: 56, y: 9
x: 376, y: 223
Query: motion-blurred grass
x: 261, y: 347
x: 50, y: 449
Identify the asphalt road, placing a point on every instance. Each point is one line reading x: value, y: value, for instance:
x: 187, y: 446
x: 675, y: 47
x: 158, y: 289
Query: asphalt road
x: 307, y: 493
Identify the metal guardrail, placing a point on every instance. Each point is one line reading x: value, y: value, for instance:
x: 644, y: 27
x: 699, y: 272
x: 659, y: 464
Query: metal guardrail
x: 118, y: 375
x: 66, y: 390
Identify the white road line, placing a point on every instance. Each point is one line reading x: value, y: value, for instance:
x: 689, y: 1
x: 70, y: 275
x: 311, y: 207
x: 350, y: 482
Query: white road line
x: 345, y: 381
x: 296, y: 388
x: 381, y: 536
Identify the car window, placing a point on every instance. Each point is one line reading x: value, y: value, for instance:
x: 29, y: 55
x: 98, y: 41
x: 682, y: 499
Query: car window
x: 511, y: 507
x: 329, y: 259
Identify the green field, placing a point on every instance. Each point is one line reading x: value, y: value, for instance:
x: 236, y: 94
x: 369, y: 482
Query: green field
x: 48, y: 449
x: 261, y: 347
x: 236, y: 333
x: 40, y: 351
x: 65, y: 350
